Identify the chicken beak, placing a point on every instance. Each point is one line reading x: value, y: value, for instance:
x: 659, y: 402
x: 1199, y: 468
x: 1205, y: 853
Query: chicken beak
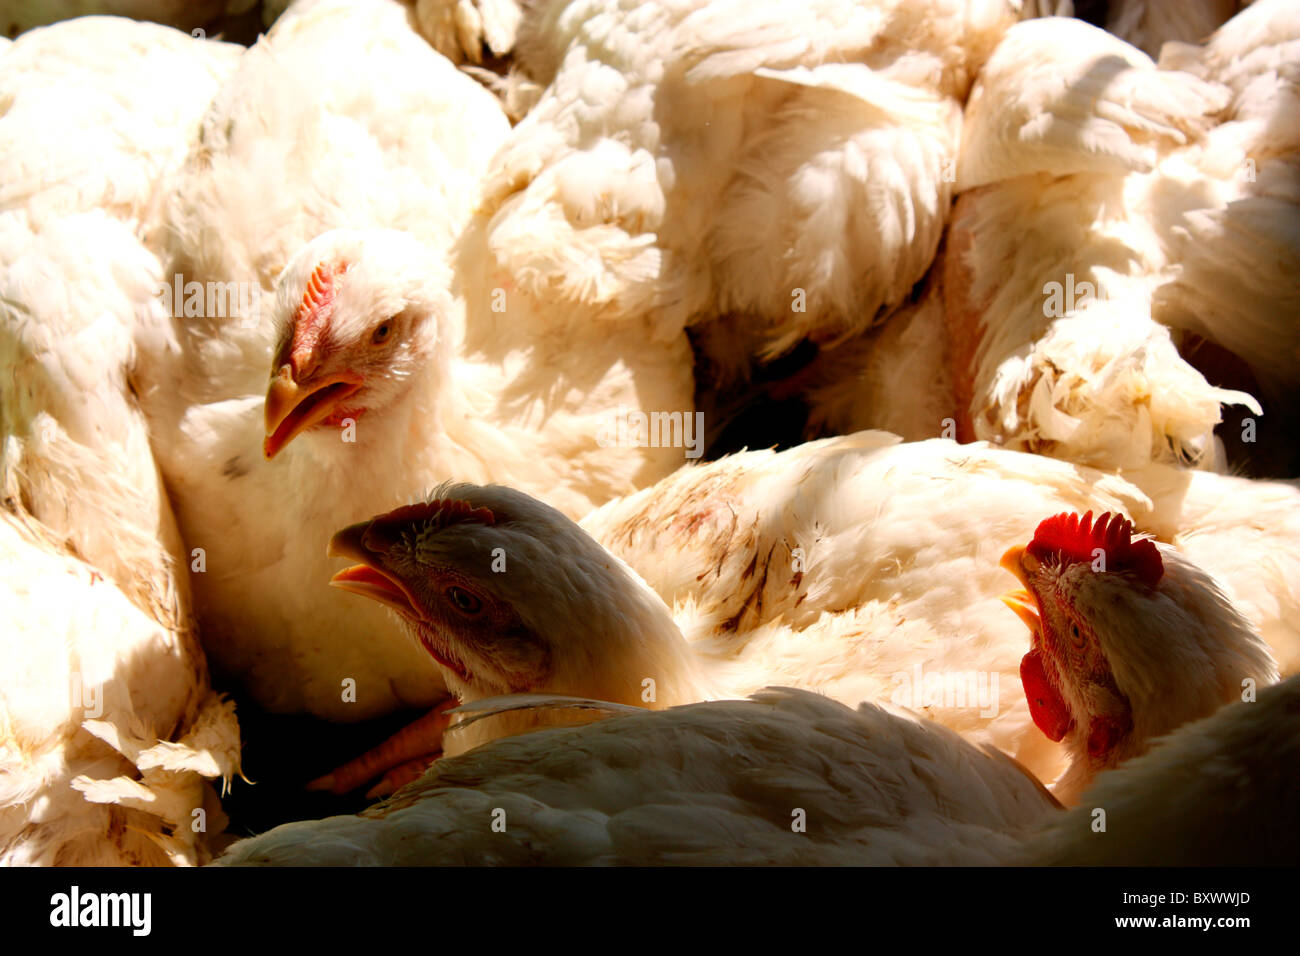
x: 374, y: 584
x: 292, y: 408
x: 1025, y: 608
x: 1013, y: 561
x: 367, y: 578
x: 350, y: 543
x: 1022, y: 600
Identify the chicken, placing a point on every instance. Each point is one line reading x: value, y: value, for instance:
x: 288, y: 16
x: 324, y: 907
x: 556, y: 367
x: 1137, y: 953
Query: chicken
x: 764, y: 171
x: 650, y: 659
x: 1102, y: 607
x: 129, y: 97
x: 108, y: 730
x: 80, y: 286
x: 1231, y: 209
x: 80, y: 283
x: 706, y: 783
x: 1244, y: 532
x: 1054, y: 256
x: 790, y: 777
x: 75, y: 443
x: 84, y: 497
x: 445, y: 566
x: 398, y: 140
x: 464, y: 385
x: 390, y: 135
x: 908, y: 532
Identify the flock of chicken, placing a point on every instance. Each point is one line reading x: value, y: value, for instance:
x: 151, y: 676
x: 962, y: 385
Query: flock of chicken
x: 1035, y: 291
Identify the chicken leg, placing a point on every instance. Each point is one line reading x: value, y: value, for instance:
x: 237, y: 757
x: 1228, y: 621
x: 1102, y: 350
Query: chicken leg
x: 400, y: 759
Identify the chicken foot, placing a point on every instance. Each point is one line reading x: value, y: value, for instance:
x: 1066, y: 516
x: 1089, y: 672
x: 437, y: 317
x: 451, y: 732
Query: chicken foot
x: 400, y: 759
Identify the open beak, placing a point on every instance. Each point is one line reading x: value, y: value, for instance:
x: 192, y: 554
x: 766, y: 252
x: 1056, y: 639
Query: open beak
x: 292, y: 408
x: 1022, y: 601
x: 1025, y: 608
x: 369, y: 579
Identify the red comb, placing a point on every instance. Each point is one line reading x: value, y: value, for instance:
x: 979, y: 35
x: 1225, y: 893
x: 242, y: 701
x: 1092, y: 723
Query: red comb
x: 312, y: 317
x: 1069, y: 538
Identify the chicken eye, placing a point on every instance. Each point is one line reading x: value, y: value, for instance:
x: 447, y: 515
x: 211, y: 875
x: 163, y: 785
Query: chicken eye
x: 464, y: 600
x: 1075, y: 637
x: 381, y: 333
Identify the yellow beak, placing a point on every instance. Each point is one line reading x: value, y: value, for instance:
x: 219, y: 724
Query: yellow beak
x: 1013, y: 561
x: 292, y: 409
x: 1022, y: 601
x: 1025, y: 608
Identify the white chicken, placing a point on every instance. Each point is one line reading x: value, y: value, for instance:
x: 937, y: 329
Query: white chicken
x: 770, y: 170
x: 1229, y: 217
x: 1054, y: 256
x: 1244, y: 532
x: 75, y: 443
x: 393, y: 135
x: 79, y: 284
x: 108, y: 731
x: 129, y: 97
x: 772, y: 580
x: 78, y: 287
x: 723, y: 783
x: 399, y: 141
x: 913, y: 530
x: 76, y: 211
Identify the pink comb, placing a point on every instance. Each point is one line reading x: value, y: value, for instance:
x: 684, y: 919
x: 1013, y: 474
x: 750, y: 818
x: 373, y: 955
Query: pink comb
x: 312, y: 318
x: 1070, y: 538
